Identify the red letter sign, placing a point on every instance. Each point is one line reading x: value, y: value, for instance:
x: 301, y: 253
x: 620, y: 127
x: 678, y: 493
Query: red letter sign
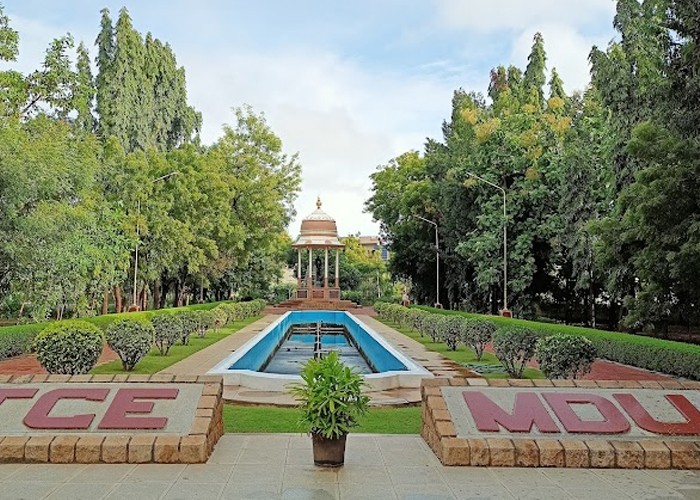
x: 16, y: 394
x: 528, y: 410
x: 38, y: 417
x: 614, y: 422
x: 642, y: 418
x: 125, y: 403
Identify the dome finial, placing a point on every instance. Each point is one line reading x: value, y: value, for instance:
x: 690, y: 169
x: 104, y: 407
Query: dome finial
x: 318, y: 202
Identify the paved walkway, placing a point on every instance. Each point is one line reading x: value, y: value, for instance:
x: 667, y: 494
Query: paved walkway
x: 279, y: 466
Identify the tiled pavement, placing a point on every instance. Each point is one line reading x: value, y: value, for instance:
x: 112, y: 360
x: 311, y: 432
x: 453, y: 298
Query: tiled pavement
x: 279, y: 466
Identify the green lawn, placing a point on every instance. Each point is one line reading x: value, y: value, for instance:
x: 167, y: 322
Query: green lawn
x: 154, y: 362
x: 406, y: 420
x: 462, y: 355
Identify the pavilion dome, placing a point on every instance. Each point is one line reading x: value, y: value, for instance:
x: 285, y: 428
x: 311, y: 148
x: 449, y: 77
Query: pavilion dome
x: 318, y: 229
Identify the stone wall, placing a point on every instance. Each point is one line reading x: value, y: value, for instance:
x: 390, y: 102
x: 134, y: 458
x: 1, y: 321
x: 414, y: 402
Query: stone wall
x: 440, y: 433
x: 125, y: 446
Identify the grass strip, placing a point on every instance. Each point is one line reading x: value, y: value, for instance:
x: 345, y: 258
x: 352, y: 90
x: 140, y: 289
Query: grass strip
x: 404, y: 420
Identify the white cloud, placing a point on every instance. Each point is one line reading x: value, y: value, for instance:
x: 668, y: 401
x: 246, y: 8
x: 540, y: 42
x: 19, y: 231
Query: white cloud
x: 570, y: 28
x: 567, y: 50
x: 493, y: 15
x: 343, y: 119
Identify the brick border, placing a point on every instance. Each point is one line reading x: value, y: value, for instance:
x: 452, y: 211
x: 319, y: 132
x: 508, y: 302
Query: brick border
x: 193, y: 448
x: 439, y: 432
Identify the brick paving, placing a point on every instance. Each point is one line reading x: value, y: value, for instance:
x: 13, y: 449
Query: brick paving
x: 280, y: 466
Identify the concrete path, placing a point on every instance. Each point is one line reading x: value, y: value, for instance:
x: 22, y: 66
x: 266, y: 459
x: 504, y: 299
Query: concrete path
x: 280, y: 466
x: 202, y: 361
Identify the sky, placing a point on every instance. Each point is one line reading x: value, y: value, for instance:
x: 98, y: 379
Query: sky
x: 347, y: 85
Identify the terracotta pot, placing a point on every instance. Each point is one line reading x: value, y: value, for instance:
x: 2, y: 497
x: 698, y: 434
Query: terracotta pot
x: 328, y: 452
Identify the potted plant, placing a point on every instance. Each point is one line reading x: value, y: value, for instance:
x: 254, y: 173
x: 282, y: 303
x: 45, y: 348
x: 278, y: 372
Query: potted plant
x: 331, y: 401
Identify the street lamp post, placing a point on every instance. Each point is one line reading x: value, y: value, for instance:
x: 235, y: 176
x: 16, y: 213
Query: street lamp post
x: 505, y: 311
x: 135, y: 306
x: 437, y: 260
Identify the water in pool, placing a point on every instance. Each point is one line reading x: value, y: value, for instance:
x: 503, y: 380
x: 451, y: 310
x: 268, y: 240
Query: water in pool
x: 301, y: 341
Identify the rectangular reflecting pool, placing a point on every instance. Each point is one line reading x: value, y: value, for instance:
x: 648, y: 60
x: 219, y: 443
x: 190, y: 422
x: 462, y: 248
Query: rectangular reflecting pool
x: 298, y: 346
x: 275, y: 356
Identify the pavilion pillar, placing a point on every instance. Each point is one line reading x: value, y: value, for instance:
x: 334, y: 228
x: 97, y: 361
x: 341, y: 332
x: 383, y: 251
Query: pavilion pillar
x: 325, y: 273
x: 298, y: 267
x: 309, y: 277
x: 337, y: 269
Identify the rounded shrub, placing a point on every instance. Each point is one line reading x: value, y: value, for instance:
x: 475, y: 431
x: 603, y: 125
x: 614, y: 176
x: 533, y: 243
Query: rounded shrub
x: 188, y: 325
x: 478, y: 334
x: 437, y: 326
x: 167, y: 329
x: 424, y: 324
x: 515, y: 347
x: 220, y: 318
x: 233, y: 312
x: 68, y: 347
x: 565, y: 356
x: 453, y: 331
x: 131, y: 339
x: 205, y: 321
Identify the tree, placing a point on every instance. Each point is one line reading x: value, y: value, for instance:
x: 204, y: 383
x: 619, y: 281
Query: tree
x: 534, y: 78
x: 84, y: 92
x: 104, y: 60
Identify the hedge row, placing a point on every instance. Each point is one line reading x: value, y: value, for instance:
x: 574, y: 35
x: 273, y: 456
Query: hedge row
x: 666, y: 356
x: 74, y: 346
x: 452, y: 330
x: 16, y: 340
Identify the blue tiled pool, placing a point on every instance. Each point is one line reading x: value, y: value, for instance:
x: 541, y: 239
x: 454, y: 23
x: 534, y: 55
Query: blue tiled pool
x: 273, y: 357
x: 257, y: 356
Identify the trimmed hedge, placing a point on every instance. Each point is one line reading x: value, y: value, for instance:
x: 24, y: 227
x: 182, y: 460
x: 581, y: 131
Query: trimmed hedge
x: 666, y: 356
x: 478, y: 334
x: 515, y: 346
x: 69, y: 347
x: 17, y: 339
x: 131, y: 339
x: 167, y: 328
x: 565, y: 356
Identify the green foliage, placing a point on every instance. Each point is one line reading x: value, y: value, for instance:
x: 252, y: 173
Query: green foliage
x: 600, y: 187
x: 565, y: 356
x: 15, y: 343
x: 454, y: 330
x: 68, y: 347
x: 674, y: 358
x: 167, y: 328
x: 330, y: 397
x: 131, y: 339
x: 478, y: 334
x: 205, y: 321
x: 463, y: 355
x: 515, y: 347
x: 219, y: 318
x: 189, y: 322
x: 141, y: 94
x: 75, y: 205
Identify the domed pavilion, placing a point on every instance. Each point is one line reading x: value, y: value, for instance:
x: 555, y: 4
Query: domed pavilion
x: 319, y: 239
